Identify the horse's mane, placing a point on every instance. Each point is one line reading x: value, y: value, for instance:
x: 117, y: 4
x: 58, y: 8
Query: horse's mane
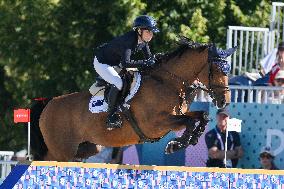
x: 184, y: 43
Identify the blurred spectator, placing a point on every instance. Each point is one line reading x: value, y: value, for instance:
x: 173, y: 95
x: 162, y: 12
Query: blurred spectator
x: 278, y: 96
x: 20, y: 155
x: 279, y: 65
x: 279, y: 79
x: 107, y: 155
x: 266, y: 159
x: 215, y: 141
x: 263, y: 81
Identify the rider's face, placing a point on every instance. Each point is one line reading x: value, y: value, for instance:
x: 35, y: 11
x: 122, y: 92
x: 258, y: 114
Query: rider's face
x: 281, y: 57
x: 147, y: 35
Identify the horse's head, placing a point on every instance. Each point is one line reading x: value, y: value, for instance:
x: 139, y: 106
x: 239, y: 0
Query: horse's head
x: 215, y: 75
x: 200, y: 61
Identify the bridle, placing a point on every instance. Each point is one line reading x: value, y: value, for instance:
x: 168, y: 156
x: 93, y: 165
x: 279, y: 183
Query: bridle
x: 190, y: 89
x: 210, y: 76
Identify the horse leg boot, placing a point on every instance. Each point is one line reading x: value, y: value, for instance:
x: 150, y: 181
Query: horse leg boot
x: 113, y: 119
x: 194, y: 129
x: 182, y: 141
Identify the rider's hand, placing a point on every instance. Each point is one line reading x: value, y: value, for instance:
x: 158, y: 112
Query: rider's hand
x: 159, y: 56
x: 151, y: 61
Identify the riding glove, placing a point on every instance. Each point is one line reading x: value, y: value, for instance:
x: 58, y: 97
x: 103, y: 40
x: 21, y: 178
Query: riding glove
x: 140, y: 63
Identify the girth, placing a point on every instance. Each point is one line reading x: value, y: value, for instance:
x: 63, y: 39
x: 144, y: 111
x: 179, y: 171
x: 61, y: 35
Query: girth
x: 130, y: 117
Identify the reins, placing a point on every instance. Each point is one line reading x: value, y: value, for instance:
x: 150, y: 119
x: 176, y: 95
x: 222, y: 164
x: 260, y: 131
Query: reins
x: 192, y: 87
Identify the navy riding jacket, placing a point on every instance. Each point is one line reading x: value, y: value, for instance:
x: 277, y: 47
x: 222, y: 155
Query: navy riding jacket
x: 119, y: 50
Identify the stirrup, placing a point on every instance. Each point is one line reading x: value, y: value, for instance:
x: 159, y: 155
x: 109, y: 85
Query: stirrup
x: 114, y: 121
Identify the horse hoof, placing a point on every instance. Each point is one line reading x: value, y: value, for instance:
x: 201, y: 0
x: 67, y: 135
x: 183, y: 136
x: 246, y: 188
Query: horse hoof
x: 114, y: 124
x: 110, y: 128
x: 193, y: 141
x: 172, y: 147
x: 205, y: 116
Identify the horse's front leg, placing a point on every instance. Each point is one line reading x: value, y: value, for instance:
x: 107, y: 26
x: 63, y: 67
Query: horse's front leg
x: 195, y: 123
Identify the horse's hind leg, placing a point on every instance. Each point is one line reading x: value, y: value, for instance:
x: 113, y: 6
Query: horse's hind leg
x: 195, y: 126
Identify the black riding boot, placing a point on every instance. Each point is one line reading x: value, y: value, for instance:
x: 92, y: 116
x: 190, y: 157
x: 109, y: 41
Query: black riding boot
x: 113, y: 118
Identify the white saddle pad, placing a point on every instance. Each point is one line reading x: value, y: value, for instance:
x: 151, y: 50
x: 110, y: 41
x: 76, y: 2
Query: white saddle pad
x: 97, y: 103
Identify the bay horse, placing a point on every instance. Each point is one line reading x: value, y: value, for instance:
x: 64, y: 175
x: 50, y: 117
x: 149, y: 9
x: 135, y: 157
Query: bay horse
x: 64, y: 129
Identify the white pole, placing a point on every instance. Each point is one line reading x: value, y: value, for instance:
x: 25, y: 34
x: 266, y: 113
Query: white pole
x: 29, y: 140
x: 226, y: 143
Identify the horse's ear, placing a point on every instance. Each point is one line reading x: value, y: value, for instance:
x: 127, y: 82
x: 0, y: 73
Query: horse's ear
x: 226, y: 53
x: 218, y: 57
x: 231, y: 51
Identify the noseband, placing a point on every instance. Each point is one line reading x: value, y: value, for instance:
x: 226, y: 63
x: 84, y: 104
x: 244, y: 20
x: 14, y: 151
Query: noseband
x: 191, y: 88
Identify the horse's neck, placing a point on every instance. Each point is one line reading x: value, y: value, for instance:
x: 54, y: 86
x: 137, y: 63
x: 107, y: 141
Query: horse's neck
x: 183, y: 68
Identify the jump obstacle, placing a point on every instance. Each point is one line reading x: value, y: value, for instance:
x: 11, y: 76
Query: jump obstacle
x: 91, y: 175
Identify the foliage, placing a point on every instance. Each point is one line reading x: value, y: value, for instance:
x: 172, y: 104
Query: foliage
x: 47, y: 46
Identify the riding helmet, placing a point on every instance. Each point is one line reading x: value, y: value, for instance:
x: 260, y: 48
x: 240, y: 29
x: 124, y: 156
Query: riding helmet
x: 146, y: 22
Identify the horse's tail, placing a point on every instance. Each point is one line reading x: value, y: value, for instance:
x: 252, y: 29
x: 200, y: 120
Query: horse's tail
x: 38, y: 146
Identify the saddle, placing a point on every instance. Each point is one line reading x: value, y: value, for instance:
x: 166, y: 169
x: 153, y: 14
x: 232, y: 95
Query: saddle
x: 131, y: 83
x: 99, y: 90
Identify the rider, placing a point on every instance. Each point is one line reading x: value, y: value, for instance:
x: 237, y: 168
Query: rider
x: 279, y: 65
x: 118, y: 53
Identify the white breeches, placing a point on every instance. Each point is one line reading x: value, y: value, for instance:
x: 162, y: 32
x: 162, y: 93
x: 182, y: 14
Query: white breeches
x: 108, y: 73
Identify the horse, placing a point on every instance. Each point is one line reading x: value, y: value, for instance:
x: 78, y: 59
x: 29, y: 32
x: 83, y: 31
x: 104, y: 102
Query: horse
x: 63, y: 128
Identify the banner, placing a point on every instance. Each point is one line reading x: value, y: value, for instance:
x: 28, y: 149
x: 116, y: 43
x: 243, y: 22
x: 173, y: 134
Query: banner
x: 234, y: 124
x: 22, y: 116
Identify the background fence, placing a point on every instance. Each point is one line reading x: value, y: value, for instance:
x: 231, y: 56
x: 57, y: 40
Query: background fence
x: 249, y: 94
x: 6, y: 164
x: 276, y: 24
x: 252, y: 45
x: 254, y: 42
